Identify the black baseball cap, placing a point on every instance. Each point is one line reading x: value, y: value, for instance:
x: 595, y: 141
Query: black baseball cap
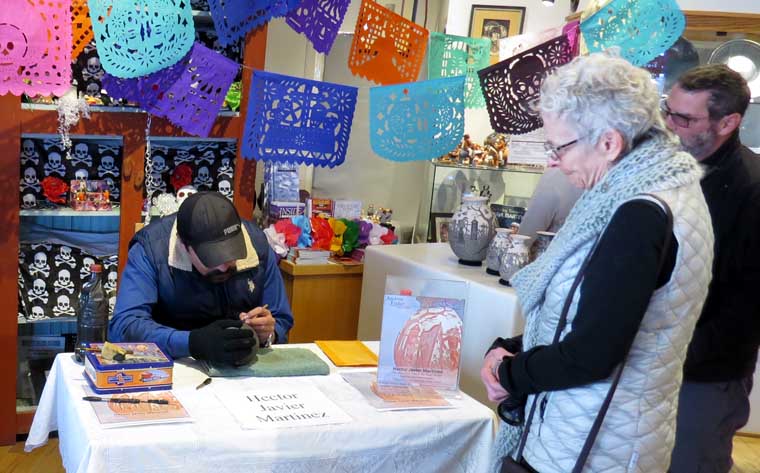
x: 209, y: 223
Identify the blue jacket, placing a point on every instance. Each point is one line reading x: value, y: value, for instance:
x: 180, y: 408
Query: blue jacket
x: 161, y: 297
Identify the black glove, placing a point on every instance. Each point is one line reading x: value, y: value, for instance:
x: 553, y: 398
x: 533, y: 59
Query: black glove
x: 223, y: 341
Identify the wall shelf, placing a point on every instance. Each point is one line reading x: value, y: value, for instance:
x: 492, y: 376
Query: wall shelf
x: 69, y: 213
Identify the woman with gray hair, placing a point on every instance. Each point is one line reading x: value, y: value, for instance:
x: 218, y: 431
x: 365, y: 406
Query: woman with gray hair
x: 592, y: 384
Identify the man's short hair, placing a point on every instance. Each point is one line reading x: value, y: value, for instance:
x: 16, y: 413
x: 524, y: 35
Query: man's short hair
x: 729, y: 92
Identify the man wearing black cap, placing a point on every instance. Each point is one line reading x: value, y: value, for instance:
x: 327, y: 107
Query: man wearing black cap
x: 192, y: 279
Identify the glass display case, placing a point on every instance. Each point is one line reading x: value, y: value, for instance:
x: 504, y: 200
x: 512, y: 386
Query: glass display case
x: 445, y: 184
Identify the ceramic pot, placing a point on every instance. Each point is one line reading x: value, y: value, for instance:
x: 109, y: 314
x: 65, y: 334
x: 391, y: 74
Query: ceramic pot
x: 471, y: 229
x: 514, y: 259
x: 498, y: 246
x: 540, y: 244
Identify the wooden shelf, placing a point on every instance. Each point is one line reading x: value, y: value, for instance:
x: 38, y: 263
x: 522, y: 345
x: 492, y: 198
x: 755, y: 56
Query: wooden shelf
x: 70, y: 213
x: 319, y: 269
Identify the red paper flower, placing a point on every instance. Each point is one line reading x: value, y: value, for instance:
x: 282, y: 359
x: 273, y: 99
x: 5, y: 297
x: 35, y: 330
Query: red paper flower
x: 181, y: 176
x: 54, y: 189
x: 291, y: 231
x: 388, y: 238
x: 321, y: 232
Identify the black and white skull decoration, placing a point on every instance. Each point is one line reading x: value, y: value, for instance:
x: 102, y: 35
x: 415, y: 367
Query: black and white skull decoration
x: 108, y: 167
x: 110, y: 284
x: 29, y: 201
x: 183, y: 156
x: 63, y: 307
x: 81, y: 155
x: 37, y: 313
x: 40, y: 265
x: 208, y: 157
x: 30, y: 181
x: 92, y: 89
x: 38, y: 293
x: 64, y: 257
x: 184, y: 192
x: 29, y: 153
x: 84, y: 271
x: 154, y: 183
x: 203, y: 179
x: 225, y: 188
x: 81, y: 175
x: 111, y: 304
x: 64, y: 282
x: 93, y: 70
x: 54, y: 164
x: 110, y: 262
x: 225, y: 170
x: 113, y: 189
x: 159, y: 163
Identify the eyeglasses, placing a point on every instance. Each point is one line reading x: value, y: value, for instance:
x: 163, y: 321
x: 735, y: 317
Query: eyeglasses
x: 552, y: 152
x: 680, y: 120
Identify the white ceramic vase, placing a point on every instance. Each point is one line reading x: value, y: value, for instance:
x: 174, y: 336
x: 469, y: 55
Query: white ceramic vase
x: 514, y: 259
x: 500, y: 243
x: 471, y: 229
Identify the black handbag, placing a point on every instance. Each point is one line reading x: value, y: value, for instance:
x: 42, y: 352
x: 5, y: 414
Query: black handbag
x: 509, y: 464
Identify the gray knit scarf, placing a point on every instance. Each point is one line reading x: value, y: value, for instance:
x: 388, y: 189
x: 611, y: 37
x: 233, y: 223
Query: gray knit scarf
x: 656, y: 164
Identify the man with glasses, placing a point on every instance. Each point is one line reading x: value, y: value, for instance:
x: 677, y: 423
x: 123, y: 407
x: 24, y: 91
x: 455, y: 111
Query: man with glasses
x: 705, y: 109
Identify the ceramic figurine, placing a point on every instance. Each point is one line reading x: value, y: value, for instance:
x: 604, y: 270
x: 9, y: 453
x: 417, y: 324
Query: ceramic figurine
x: 500, y: 243
x: 471, y: 229
x: 514, y: 258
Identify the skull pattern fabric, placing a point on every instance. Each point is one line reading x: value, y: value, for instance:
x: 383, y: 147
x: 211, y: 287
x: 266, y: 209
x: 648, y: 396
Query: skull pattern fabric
x: 87, y: 159
x: 51, y: 276
x: 212, y: 162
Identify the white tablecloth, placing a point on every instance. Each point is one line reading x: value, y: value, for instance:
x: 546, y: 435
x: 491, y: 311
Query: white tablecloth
x: 491, y: 310
x: 440, y: 440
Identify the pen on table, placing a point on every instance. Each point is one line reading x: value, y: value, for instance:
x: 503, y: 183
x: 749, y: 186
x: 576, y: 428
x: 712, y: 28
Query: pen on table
x: 124, y: 400
x: 205, y: 382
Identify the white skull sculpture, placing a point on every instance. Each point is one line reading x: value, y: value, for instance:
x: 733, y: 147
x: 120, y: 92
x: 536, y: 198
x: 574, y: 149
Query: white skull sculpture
x: 225, y: 188
x: 184, y: 192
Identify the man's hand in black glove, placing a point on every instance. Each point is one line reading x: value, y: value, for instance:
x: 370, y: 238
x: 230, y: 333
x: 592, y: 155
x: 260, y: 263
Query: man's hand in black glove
x: 221, y: 340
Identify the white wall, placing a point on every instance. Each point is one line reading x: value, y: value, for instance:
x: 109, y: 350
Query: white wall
x: 537, y: 17
x: 739, y: 6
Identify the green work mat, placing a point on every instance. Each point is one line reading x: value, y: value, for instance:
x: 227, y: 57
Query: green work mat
x: 274, y: 362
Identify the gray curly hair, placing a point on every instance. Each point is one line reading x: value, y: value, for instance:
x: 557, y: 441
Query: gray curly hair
x: 602, y: 92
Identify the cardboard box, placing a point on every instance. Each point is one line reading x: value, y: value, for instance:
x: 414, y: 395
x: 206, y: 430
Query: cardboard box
x: 147, y: 368
x: 278, y: 210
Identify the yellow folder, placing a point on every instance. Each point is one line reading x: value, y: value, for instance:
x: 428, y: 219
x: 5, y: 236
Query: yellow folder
x: 347, y: 352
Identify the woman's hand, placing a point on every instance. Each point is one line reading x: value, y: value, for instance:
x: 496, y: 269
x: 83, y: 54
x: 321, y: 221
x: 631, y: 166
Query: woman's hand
x: 489, y: 374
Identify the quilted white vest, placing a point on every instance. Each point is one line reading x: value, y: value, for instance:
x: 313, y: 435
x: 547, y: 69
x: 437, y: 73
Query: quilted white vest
x: 639, y: 429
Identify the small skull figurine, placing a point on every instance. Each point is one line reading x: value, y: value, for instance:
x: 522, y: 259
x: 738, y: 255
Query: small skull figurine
x: 184, y: 192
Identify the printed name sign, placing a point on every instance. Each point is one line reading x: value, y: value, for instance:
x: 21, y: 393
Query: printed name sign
x: 282, y: 408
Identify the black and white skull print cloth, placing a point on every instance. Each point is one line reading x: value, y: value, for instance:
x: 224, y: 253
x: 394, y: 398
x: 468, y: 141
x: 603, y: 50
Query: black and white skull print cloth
x: 86, y: 159
x: 51, y: 277
x: 212, y: 164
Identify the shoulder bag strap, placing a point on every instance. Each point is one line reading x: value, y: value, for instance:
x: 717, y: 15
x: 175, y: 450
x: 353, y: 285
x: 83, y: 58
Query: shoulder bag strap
x: 557, y: 333
x: 607, y: 400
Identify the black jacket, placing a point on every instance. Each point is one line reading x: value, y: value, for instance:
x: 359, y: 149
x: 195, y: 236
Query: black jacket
x: 727, y: 336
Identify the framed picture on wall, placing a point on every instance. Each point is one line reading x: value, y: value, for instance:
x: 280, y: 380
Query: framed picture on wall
x: 439, y: 227
x: 404, y: 8
x: 496, y: 22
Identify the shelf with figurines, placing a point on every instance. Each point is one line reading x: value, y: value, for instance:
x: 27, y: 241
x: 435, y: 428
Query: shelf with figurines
x: 492, y: 155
